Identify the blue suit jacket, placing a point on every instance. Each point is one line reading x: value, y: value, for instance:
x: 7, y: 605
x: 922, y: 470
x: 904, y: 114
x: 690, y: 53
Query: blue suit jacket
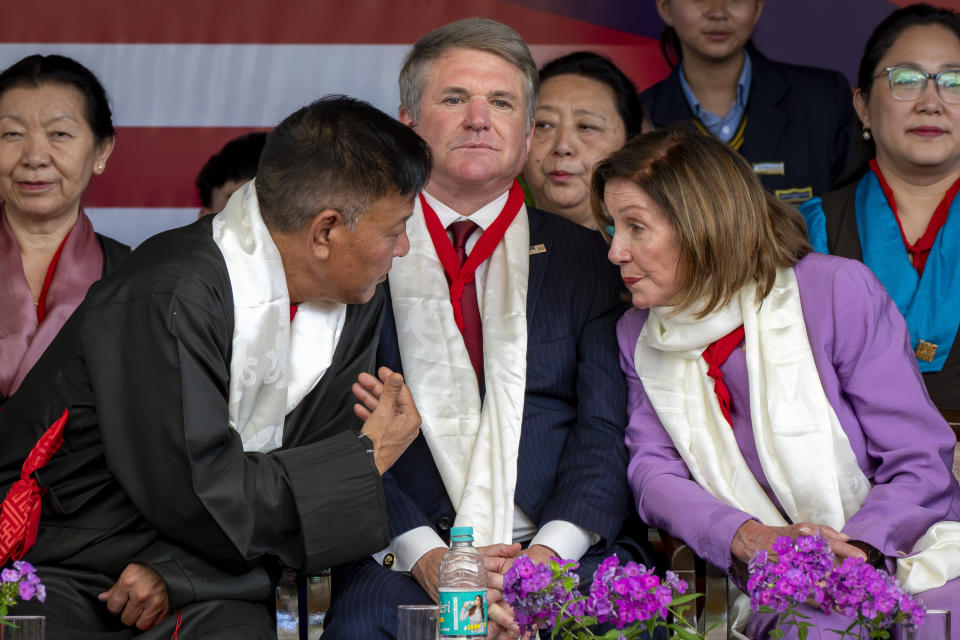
x: 572, y: 460
x: 800, y: 116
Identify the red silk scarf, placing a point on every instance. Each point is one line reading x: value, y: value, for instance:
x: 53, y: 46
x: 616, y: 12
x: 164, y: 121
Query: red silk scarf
x: 715, y: 355
x: 459, y: 276
x: 20, y: 511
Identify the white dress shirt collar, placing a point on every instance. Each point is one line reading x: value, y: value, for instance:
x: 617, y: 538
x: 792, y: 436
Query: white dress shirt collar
x: 482, y: 217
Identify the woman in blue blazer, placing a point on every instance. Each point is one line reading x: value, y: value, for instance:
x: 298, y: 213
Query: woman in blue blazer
x: 794, y: 124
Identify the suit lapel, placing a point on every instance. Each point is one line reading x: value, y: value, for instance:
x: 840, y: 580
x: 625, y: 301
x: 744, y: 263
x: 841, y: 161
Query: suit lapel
x: 671, y: 105
x: 538, y: 261
x: 764, y: 117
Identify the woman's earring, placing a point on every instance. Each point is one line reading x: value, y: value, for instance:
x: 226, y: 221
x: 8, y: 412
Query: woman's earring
x: 866, y: 134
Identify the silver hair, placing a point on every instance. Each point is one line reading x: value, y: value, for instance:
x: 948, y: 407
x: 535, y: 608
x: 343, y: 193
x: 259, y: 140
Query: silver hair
x: 470, y: 33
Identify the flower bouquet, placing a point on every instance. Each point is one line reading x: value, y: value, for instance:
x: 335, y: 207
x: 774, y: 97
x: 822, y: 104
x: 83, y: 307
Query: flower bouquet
x: 804, y: 570
x: 631, y: 598
x: 20, y: 581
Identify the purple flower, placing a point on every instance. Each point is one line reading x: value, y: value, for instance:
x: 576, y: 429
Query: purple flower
x: 20, y: 581
x: 804, y: 569
x: 538, y: 593
x: 27, y: 590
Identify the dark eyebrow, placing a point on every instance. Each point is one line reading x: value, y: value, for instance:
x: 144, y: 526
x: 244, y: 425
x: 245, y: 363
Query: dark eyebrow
x: 503, y: 94
x: 953, y: 66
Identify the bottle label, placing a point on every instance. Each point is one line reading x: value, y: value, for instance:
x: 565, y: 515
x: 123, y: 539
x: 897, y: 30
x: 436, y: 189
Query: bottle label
x: 463, y: 612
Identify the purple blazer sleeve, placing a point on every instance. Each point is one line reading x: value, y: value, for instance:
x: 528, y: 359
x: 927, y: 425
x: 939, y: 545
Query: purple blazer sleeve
x: 903, y: 445
x: 667, y: 497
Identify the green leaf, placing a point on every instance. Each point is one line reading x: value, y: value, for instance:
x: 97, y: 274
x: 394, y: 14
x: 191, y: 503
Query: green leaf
x: 690, y: 597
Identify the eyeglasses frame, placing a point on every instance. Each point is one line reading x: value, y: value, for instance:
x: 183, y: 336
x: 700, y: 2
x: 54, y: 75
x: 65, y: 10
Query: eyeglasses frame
x: 888, y: 71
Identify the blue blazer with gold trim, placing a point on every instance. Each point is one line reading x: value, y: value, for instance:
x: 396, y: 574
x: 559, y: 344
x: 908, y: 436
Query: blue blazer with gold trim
x: 799, y: 116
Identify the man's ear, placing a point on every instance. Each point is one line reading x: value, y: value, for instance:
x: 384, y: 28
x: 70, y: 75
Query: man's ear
x: 404, y: 116
x: 321, y: 230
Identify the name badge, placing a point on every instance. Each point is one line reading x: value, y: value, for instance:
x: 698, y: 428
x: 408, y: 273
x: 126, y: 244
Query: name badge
x: 769, y: 168
x: 537, y: 248
x: 794, y: 196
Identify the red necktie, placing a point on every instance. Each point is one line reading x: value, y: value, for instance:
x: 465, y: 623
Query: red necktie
x: 472, y: 329
x: 20, y: 511
x: 715, y: 355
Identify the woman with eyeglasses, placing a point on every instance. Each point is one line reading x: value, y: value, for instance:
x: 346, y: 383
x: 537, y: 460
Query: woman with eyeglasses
x: 902, y: 218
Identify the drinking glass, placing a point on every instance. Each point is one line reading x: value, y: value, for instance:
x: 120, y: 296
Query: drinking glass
x: 417, y: 622
x: 936, y: 626
x: 23, y: 628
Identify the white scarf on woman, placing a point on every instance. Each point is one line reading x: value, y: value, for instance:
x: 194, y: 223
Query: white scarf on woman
x: 805, y: 454
x: 275, y: 362
x: 475, y: 448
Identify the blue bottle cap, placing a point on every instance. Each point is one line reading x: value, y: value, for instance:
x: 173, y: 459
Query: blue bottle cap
x: 461, y: 532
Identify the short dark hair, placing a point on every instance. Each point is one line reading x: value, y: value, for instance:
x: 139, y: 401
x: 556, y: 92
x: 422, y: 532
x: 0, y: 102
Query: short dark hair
x: 731, y: 231
x: 337, y: 153
x: 887, y: 32
x: 237, y: 160
x: 36, y: 70
x: 597, y: 67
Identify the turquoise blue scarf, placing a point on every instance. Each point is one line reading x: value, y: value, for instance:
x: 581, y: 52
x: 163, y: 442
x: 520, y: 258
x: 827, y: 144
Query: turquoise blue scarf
x: 929, y: 303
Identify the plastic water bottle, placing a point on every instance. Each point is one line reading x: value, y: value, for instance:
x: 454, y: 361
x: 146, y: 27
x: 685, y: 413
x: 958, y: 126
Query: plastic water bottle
x: 463, y: 588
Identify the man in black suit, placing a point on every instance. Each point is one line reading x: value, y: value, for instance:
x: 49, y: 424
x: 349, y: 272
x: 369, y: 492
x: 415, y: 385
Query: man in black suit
x: 204, y: 399
x: 502, y: 319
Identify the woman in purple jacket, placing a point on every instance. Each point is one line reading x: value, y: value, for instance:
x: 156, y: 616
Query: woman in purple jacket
x: 773, y: 390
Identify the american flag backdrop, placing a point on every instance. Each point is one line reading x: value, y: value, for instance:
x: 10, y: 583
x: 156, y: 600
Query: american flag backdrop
x: 185, y: 76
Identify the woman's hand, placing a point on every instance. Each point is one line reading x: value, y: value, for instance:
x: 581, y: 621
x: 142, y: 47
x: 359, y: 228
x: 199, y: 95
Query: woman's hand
x: 753, y: 536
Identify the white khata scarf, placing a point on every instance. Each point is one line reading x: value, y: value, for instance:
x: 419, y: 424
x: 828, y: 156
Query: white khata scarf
x: 475, y: 449
x: 275, y: 363
x: 804, y: 452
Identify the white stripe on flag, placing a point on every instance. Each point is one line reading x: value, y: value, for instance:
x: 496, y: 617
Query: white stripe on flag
x: 227, y: 85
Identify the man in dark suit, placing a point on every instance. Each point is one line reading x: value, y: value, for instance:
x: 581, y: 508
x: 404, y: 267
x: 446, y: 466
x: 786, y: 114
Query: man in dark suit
x: 502, y: 319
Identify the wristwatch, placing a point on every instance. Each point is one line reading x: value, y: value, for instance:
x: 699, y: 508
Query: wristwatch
x: 367, y: 442
x: 875, y: 557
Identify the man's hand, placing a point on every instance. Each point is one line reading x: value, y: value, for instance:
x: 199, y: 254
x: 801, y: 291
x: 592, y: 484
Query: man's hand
x: 391, y: 420
x: 495, y: 558
x: 498, y: 558
x: 139, y: 597
x: 753, y: 536
x: 427, y: 571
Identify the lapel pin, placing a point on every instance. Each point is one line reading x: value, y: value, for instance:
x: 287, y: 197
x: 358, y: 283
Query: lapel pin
x: 537, y: 248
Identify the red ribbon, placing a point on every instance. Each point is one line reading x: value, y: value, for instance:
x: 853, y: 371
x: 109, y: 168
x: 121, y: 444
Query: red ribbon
x: 459, y: 276
x: 47, y: 280
x: 715, y: 355
x: 920, y: 250
x: 20, y: 511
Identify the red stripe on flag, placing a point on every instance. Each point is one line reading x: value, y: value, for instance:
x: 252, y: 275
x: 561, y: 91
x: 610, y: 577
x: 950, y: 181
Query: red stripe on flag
x: 290, y: 22
x: 157, y: 166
